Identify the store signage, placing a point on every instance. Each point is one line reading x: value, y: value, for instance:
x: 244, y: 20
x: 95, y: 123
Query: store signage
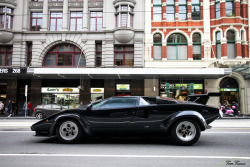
x: 59, y: 90
x: 122, y: 87
x: 196, y: 86
x: 12, y: 71
x: 97, y: 90
x: 229, y: 89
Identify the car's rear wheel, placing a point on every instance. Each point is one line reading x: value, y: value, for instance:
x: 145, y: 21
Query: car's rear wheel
x: 185, y: 132
x: 69, y: 131
x: 39, y: 115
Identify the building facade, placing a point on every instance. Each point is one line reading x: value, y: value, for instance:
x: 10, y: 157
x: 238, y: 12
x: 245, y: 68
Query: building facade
x: 66, y: 51
x: 207, y: 34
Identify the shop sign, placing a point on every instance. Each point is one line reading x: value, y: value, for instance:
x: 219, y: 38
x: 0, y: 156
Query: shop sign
x: 59, y: 90
x: 122, y: 87
x: 229, y: 89
x: 97, y: 90
x: 12, y: 70
x: 196, y: 86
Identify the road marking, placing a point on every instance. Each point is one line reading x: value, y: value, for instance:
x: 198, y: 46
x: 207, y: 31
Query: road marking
x: 125, y: 156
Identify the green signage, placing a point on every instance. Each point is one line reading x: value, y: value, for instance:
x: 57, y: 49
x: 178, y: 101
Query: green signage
x: 229, y: 89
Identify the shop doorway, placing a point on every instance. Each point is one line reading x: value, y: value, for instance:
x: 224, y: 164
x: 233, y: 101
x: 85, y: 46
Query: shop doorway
x: 229, y: 88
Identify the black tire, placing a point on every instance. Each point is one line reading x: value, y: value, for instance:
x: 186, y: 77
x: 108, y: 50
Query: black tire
x: 39, y: 115
x: 69, y: 131
x: 185, y: 132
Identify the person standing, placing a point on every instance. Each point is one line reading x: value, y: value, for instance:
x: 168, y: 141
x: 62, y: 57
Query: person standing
x: 235, y: 108
x: 13, y: 108
x: 29, y: 106
x: 1, y: 107
x: 9, y: 108
x: 25, y: 108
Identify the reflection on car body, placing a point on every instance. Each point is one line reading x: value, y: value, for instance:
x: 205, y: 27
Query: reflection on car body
x: 45, y: 110
x: 131, y: 116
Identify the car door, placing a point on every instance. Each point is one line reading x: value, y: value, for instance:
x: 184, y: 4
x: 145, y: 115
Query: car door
x: 115, y: 113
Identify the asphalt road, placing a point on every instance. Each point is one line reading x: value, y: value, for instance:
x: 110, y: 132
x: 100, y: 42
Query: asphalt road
x: 227, y: 144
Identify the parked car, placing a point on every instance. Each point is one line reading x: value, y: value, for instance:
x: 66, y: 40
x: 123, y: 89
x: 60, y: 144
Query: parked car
x: 45, y: 110
x: 131, y: 116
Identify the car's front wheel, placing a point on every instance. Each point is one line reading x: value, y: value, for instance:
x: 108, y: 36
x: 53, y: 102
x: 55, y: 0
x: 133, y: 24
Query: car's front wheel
x: 185, y: 132
x: 39, y: 115
x: 69, y: 131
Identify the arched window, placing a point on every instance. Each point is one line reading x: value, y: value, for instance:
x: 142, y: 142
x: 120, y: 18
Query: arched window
x: 230, y: 8
x: 177, y: 47
x: 218, y: 45
x: 6, y: 17
x: 196, y: 46
x: 182, y: 9
x: 64, y: 55
x: 217, y: 9
x: 231, y: 44
x: 157, y: 47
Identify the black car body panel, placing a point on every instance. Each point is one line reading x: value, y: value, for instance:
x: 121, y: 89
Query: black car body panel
x: 130, y: 116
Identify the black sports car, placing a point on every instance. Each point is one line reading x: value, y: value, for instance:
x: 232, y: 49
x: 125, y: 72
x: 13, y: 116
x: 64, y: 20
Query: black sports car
x: 132, y: 116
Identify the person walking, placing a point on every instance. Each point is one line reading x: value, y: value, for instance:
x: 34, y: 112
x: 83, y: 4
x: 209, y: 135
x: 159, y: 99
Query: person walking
x: 9, y: 108
x: 13, y: 108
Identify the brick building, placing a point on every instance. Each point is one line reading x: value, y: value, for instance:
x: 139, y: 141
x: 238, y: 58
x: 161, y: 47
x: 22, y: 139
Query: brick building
x: 199, y: 34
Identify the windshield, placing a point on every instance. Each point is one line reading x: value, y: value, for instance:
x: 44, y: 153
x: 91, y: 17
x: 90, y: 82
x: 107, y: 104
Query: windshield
x: 98, y: 104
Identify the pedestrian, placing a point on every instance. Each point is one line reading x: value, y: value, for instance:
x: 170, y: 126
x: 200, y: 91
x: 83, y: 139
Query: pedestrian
x: 235, y: 108
x: 9, y: 108
x: 29, y: 107
x: 13, y: 108
x: 1, y: 108
x: 81, y: 104
x: 226, y: 104
x: 25, y: 108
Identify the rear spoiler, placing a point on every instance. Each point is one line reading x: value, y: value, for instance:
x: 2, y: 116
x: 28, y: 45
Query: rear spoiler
x: 203, y: 98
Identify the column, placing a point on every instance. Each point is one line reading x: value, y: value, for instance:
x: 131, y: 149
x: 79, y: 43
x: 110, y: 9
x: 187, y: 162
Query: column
x: 35, y: 93
x: 238, y: 49
x: 148, y: 36
x: 65, y: 15
x: 237, y: 7
x: 45, y: 15
x: 206, y: 22
x: 248, y: 29
x: 85, y: 15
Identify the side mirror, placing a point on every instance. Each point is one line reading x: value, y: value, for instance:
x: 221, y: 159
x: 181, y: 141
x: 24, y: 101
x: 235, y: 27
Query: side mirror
x: 89, y: 106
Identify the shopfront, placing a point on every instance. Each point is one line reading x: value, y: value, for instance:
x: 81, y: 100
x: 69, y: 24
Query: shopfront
x: 123, y: 90
x: 67, y: 97
x: 97, y: 94
x: 180, y: 90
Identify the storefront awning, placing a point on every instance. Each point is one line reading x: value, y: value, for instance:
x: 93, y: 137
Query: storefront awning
x: 244, y: 70
x: 129, y: 73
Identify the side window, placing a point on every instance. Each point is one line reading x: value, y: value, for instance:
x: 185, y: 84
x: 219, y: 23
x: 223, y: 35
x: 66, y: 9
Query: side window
x: 47, y: 106
x: 120, y: 102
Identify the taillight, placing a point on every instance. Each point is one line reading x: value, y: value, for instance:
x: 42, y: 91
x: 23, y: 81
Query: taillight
x: 35, y: 109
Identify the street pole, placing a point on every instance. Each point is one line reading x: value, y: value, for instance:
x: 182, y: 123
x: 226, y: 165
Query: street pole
x: 26, y: 95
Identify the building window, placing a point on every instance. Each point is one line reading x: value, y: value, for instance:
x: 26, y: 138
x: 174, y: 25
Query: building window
x: 55, y: 21
x: 217, y: 9
x: 37, y: 0
x: 230, y: 8
x: 124, y: 16
x: 177, y: 47
x: 170, y: 10
x: 241, y: 9
x: 56, y: 0
x: 6, y: 17
x: 75, y: 21
x: 36, y: 21
x: 218, y: 45
x: 196, y: 12
x: 231, y: 44
x: 196, y: 46
x: 157, y: 47
x: 29, y: 54
x: 64, y: 55
x: 182, y: 9
x: 6, y: 55
x: 95, y: 21
x: 157, y: 10
x: 124, y: 56
x: 76, y: 0
x: 98, y: 54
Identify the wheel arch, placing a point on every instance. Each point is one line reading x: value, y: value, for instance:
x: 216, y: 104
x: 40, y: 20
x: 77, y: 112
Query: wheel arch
x: 194, y: 115
x: 61, y: 118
